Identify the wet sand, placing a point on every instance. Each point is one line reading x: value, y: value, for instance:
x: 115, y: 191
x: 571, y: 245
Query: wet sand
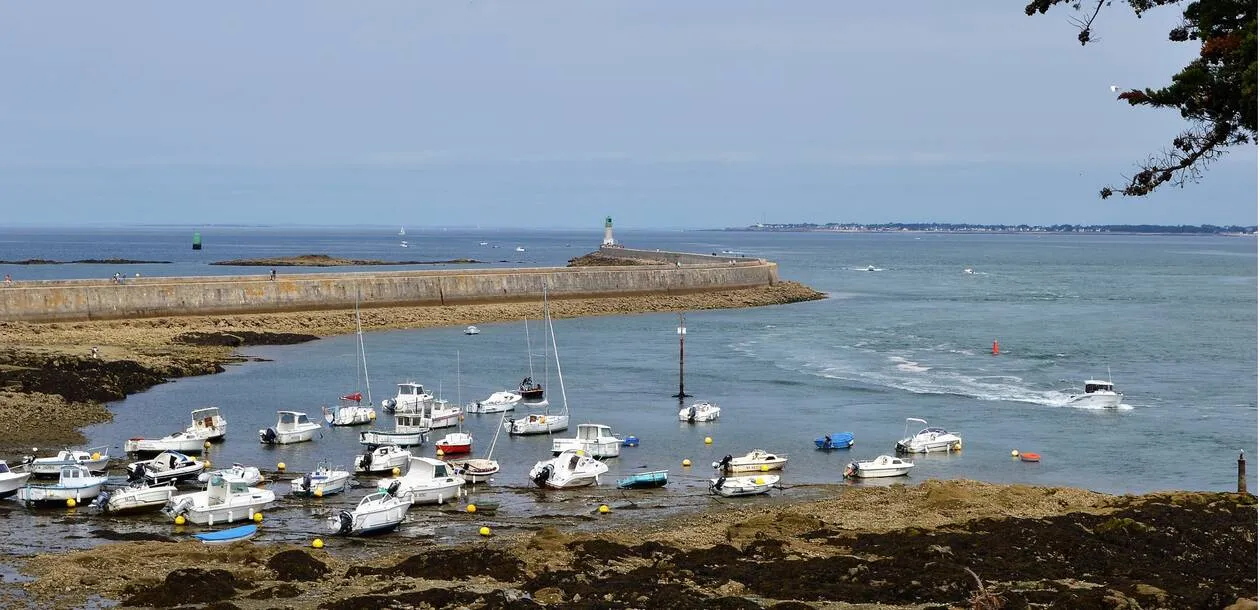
x: 856, y: 547
x: 51, y: 385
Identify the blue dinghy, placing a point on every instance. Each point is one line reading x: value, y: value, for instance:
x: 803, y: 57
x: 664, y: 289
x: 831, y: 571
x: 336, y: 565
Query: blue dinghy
x: 644, y: 480
x: 228, y: 536
x: 835, y: 440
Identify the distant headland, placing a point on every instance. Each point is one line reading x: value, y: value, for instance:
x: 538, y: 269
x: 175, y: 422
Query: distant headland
x: 951, y: 227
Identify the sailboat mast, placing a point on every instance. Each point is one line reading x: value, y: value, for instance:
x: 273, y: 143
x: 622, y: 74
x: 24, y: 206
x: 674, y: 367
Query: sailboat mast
x: 358, y: 323
x: 529, y: 351
x: 555, y: 350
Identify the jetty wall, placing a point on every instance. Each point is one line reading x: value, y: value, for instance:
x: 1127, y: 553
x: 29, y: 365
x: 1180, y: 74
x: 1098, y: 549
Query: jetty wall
x: 74, y: 300
x: 665, y: 256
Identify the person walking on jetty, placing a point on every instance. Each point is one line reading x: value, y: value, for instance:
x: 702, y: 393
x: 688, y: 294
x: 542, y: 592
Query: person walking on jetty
x: 8, y: 280
x: 273, y: 274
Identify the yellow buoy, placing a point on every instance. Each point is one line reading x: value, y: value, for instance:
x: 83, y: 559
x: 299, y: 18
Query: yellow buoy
x: 1014, y: 452
x: 257, y: 517
x: 396, y: 471
x: 759, y: 481
x: 96, y: 455
x: 472, y: 508
x: 207, y: 463
x: 765, y: 468
x: 440, y: 453
x: 372, y: 415
x: 958, y: 446
x: 206, y: 444
x: 317, y: 543
x: 580, y: 452
x: 708, y: 440
x: 180, y: 520
x: 280, y: 466
x: 70, y: 502
x: 687, y: 463
x: 319, y: 492
x: 603, y: 508
x: 485, y: 531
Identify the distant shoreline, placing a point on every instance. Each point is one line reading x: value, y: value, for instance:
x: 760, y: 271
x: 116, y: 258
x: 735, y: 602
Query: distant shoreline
x: 323, y: 260
x: 1230, y: 230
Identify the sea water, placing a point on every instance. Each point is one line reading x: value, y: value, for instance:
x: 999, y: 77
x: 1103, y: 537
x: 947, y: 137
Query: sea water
x: 1170, y: 319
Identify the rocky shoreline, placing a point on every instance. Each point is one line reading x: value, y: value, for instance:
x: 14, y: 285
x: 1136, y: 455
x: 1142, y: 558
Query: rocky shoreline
x: 939, y: 545
x: 51, y: 385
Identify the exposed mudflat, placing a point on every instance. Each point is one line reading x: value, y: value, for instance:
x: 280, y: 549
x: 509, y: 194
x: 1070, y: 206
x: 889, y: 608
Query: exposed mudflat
x: 861, y: 547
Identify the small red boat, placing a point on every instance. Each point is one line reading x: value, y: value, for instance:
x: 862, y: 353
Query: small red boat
x: 455, y: 443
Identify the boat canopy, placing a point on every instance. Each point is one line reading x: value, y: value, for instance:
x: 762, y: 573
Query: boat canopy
x: 410, y: 388
x: 206, y: 412
x: 1094, y: 385
x: 592, y: 432
x: 934, y: 431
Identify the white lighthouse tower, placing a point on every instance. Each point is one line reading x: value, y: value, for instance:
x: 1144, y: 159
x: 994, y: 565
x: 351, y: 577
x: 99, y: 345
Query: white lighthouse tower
x: 608, y: 238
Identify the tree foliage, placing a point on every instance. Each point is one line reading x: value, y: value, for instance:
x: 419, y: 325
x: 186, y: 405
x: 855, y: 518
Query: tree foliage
x: 1215, y: 92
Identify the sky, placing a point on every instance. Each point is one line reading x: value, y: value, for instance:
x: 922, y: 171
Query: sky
x: 705, y: 113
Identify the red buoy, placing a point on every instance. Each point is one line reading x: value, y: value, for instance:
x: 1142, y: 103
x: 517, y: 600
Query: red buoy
x: 995, y: 347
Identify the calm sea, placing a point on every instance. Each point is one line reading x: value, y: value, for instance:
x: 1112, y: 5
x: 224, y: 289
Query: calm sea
x: 1172, y: 320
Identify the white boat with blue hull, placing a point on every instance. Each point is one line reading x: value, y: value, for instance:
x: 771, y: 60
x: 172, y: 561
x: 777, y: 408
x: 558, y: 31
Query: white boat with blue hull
x: 376, y: 513
x: 835, y: 440
x: 228, y: 536
x: 74, y: 483
x: 323, y: 481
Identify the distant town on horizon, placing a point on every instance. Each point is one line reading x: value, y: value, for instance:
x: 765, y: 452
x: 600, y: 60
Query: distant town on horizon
x: 951, y: 227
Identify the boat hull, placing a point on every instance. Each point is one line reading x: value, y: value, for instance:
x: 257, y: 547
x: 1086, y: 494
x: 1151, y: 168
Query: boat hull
x: 321, y: 484
x: 236, y: 534
x: 52, y: 468
x: 39, y: 494
x: 644, y: 480
x: 742, y: 486
x: 476, y: 470
x: 377, y: 461
x: 185, y: 444
x: 349, y: 416
x: 936, y: 446
x: 136, y: 500
x: 376, y: 517
x: 536, y: 424
x: 240, y: 508
x: 1097, y: 400
x: 609, y: 448
x: 402, y: 439
x: 11, y: 482
x: 427, y: 493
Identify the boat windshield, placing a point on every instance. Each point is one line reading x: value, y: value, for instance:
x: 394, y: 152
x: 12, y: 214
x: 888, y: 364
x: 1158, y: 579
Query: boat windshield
x: 4, y: 468
x: 1090, y: 388
x: 302, y: 419
x: 286, y: 417
x: 934, y: 431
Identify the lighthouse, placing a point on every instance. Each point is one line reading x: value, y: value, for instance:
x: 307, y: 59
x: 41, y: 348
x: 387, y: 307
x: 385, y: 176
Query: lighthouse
x: 608, y: 238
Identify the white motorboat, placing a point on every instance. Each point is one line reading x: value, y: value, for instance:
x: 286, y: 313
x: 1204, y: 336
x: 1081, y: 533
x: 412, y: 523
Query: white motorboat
x: 291, y: 427
x: 350, y: 412
x: 497, y: 403
x: 183, y: 442
x: 384, y: 458
x: 882, y: 466
x: 74, y: 482
x: 1098, y: 394
x: 11, y: 480
x: 699, y: 412
x: 440, y: 414
x: 250, y: 474
x: 323, y: 481
x: 756, y: 460
x: 536, y: 424
x: 409, y: 431
x: 595, y: 440
x: 225, y: 499
x: 472, y: 330
x: 427, y: 481
x: 928, y: 439
x: 208, y: 424
x: 95, y: 459
x: 520, y: 249
x: 409, y: 398
x: 747, y: 485
x: 569, y: 469
x: 377, y: 512
x: 135, y: 497
x: 168, y: 466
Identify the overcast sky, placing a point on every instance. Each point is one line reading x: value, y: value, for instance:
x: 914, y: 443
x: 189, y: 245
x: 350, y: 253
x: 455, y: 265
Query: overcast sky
x: 536, y: 113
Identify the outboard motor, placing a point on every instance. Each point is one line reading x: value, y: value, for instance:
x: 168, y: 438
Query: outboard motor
x: 827, y: 442
x: 388, y: 404
x: 851, y: 469
x: 347, y: 522
x: 135, y: 472
x: 543, y: 475
x: 269, y: 436
x: 393, y: 488
x: 305, y: 484
x: 101, y: 502
x: 719, y: 483
x: 691, y: 414
x: 724, y: 464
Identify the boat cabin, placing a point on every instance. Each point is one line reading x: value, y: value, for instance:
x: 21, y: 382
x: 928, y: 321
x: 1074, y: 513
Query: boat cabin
x: 221, y: 489
x: 409, y: 423
x: 593, y: 432
x: 206, y: 418
x: 4, y: 468
x: 71, y: 475
x: 1094, y: 385
x: 428, y: 468
x: 410, y: 388
x: 292, y: 420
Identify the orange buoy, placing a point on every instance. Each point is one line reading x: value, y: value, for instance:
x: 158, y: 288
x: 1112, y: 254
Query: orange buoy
x: 1030, y: 457
x: 995, y: 347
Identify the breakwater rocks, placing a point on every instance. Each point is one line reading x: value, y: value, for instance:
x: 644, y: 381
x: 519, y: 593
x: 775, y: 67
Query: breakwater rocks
x: 903, y: 547
x: 324, y: 260
x: 599, y: 259
x: 86, y: 261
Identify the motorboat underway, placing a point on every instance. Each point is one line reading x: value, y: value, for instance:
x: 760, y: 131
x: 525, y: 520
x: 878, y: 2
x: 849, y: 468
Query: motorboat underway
x: 455, y: 443
x: 1098, y: 394
x: 225, y: 499
x: 410, y: 397
x: 882, y: 466
x: 323, y: 481
x: 384, y: 458
x: 536, y: 424
x: 95, y: 459
x: 497, y: 403
x: 75, y: 482
x: 753, y: 461
x: 183, y: 442
x: 291, y: 427
x: 250, y: 474
x: 835, y: 440
x: 644, y: 480
x: 11, y: 480
x: 208, y: 424
x: 744, y: 485
x: 427, y: 481
x: 168, y: 466
x: 472, y: 330
x: 351, y: 412
x: 377, y: 512
x: 699, y: 412
x: 409, y: 431
x: 228, y: 536
x: 135, y: 497
x: 530, y: 389
x: 440, y: 414
x: 928, y: 439
x: 595, y: 440
x: 569, y: 469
